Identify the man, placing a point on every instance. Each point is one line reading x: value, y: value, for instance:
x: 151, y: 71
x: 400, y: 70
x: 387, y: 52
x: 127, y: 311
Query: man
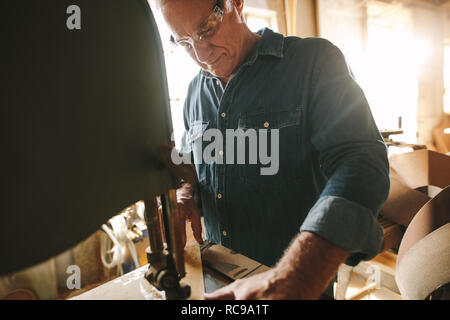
x: 319, y: 210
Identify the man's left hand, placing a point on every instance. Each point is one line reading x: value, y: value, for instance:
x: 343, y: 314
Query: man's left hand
x: 304, y: 272
x: 263, y: 286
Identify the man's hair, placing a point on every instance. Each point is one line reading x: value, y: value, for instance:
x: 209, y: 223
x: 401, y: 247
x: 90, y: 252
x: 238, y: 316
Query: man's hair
x: 158, y: 3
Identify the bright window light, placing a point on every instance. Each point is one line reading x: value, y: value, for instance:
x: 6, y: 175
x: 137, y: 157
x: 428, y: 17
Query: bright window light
x: 393, y: 62
x: 181, y: 69
x: 257, y: 19
x: 256, y: 23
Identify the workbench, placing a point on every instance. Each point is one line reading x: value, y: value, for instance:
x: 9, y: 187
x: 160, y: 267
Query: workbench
x: 208, y: 268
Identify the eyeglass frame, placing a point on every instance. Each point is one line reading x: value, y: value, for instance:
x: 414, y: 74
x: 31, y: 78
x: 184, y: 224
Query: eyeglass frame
x: 216, y: 15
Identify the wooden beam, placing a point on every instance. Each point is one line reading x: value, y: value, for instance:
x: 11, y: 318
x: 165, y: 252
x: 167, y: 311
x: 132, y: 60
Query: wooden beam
x: 292, y: 17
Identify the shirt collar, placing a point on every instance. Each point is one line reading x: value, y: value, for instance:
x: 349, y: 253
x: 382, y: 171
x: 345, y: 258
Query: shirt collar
x: 271, y: 43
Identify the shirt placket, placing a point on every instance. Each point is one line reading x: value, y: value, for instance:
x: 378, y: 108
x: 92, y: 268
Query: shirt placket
x: 223, y: 117
x: 220, y: 169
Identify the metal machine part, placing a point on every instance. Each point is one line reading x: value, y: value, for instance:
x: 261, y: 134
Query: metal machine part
x: 166, y: 258
x: 85, y: 140
x: 82, y: 143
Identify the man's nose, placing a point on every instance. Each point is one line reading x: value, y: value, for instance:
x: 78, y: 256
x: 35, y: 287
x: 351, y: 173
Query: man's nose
x: 203, y: 51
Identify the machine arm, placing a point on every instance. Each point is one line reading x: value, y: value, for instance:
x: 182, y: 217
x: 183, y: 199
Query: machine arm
x: 166, y: 252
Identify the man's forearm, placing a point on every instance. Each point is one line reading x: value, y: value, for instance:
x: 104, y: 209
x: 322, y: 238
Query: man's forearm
x: 308, y: 266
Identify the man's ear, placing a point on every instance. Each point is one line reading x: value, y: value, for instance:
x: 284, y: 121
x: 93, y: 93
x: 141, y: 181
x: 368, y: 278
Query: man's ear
x: 239, y: 5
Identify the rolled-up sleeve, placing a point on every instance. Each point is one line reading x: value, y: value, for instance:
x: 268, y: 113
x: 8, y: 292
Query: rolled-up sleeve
x: 352, y: 156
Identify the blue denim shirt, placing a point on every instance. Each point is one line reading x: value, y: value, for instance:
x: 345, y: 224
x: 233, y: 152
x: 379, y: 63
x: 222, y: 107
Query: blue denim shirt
x: 333, y: 172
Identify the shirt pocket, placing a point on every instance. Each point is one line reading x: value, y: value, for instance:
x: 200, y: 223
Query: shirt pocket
x: 195, y: 140
x: 270, y: 119
x: 281, y: 127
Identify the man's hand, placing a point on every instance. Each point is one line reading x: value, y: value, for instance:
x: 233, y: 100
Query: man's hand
x: 186, y: 203
x: 263, y: 286
x: 190, y: 212
x: 304, y: 272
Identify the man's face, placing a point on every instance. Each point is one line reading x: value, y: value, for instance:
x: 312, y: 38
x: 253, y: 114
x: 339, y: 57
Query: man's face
x: 219, y: 54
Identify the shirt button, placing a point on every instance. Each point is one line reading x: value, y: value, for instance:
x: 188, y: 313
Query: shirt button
x: 224, y: 233
x: 219, y: 196
x: 223, y: 115
x: 217, y: 82
x: 221, y: 153
x: 266, y: 124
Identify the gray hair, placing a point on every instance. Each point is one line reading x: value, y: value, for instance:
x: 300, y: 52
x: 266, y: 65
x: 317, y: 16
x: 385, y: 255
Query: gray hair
x: 157, y: 3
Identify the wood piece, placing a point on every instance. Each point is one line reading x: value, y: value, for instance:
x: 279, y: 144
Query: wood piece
x: 403, y: 202
x: 421, y: 168
x: 376, y: 294
x: 423, y: 263
x: 194, y: 272
x: 343, y: 280
x: 229, y: 263
x: 432, y: 216
x: 425, y: 267
x: 386, y: 260
x: 378, y: 271
x: 133, y: 286
x: 126, y: 287
x: 262, y: 268
x: 193, y: 265
x: 393, y: 234
x: 86, y: 257
x: 353, y: 281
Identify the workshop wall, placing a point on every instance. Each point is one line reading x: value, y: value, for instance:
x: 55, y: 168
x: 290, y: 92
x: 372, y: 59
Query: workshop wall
x: 418, y: 102
x: 295, y: 17
x: 429, y: 24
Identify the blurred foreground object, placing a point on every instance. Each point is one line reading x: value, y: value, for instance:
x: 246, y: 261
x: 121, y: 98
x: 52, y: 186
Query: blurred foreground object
x: 84, y: 111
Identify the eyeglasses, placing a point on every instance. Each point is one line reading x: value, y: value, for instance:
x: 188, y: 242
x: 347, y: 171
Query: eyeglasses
x: 206, y: 30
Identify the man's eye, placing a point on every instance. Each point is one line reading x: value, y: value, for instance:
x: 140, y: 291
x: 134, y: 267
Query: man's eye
x: 207, y: 33
x: 185, y: 44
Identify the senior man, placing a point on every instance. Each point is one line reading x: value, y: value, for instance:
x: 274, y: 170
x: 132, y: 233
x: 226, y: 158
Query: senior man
x: 320, y: 207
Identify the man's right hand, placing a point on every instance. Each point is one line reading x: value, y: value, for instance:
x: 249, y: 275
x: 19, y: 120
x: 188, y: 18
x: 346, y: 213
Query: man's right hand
x: 190, y: 212
x: 186, y: 203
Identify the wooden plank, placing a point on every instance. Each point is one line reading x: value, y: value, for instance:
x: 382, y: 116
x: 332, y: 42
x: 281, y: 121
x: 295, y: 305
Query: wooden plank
x: 421, y: 168
x: 194, y: 270
x: 133, y: 286
x: 229, y: 263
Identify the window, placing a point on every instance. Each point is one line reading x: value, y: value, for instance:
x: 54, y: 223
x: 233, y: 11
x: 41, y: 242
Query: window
x: 181, y: 69
x: 258, y: 19
x: 395, y: 57
x: 387, y: 54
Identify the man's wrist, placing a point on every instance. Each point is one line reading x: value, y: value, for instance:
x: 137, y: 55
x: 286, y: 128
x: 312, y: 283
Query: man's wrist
x: 289, y: 280
x: 308, y: 266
